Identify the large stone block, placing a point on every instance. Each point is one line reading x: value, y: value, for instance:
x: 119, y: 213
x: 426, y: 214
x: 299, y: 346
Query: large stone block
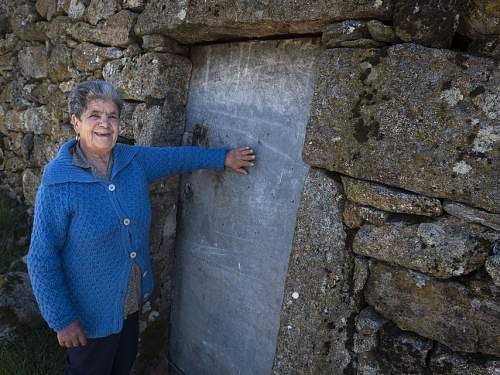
x: 31, y: 181
x: 488, y: 46
x: 114, y: 31
x: 49, y: 8
x: 442, y: 248
x: 25, y: 23
x: 381, y: 32
x: 480, y: 17
x: 422, y: 119
x: 336, y: 33
x: 428, y: 22
x: 33, y: 61
x: 368, y: 325
x: 463, y: 317
x: 88, y: 57
x: 59, y: 29
x: 382, y: 348
x: 355, y: 215
x: 317, y: 310
x: 135, y: 5
x: 161, y: 43
x: 101, y: 9
x: 59, y: 64
x: 35, y: 120
x: 492, y: 266
x: 472, y: 214
x: 8, y: 43
x: 196, y: 21
x: 152, y: 75
x: 390, y: 199
x: 153, y: 129
x: 7, y: 63
x: 75, y: 9
x: 402, y: 353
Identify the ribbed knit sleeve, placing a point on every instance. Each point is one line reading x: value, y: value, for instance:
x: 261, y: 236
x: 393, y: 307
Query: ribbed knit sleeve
x: 166, y: 161
x: 51, y: 220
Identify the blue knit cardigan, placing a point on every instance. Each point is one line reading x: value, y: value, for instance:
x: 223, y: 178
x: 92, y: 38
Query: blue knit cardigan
x: 81, y: 252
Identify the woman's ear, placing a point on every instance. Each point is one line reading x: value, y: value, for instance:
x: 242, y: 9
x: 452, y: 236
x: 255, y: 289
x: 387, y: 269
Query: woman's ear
x: 75, y: 122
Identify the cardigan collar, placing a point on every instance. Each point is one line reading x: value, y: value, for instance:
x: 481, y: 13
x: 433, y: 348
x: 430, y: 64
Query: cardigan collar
x: 61, y: 169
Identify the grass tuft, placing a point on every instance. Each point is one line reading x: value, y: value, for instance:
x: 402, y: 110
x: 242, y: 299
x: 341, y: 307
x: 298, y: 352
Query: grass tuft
x: 36, y: 352
x: 13, y: 225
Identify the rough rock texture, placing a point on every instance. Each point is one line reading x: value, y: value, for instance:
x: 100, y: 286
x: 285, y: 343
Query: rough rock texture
x: 48, y: 9
x: 336, y: 33
x: 151, y: 127
x: 99, y: 10
x: 115, y: 31
x: 390, y: 199
x: 428, y: 22
x: 355, y: 215
x: 26, y: 24
x: 480, y: 17
x: 161, y: 43
x: 442, y: 248
x: 197, y: 21
x: 360, y: 276
x: 318, y: 310
x: 368, y: 324
x: 382, y: 348
x: 488, y: 46
x: 412, y: 117
x: 134, y: 5
x: 445, y: 362
x: 472, y: 214
x: 382, y: 32
x: 152, y: 75
x: 462, y: 317
x: 88, y: 57
x: 492, y: 266
x: 33, y: 61
x: 75, y: 8
x: 59, y: 64
x: 31, y: 181
x: 17, y: 304
x: 402, y: 353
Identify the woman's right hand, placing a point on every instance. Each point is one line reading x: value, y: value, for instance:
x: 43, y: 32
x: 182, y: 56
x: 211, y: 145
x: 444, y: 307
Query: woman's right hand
x: 72, y: 335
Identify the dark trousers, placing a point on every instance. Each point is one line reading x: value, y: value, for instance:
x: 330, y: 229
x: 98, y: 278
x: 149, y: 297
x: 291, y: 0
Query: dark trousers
x: 110, y: 355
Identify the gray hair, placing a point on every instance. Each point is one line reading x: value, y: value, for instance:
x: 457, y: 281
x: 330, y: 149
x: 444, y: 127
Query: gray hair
x: 84, y: 92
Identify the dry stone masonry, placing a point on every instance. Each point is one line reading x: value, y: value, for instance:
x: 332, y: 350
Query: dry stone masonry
x: 394, y: 264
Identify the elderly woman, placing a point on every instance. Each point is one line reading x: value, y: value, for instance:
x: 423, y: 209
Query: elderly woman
x: 88, y: 259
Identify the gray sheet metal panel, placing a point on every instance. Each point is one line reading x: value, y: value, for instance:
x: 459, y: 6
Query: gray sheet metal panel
x: 236, y: 231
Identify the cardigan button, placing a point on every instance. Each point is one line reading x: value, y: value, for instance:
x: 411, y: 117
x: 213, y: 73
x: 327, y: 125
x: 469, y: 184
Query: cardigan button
x: 133, y: 254
x: 111, y: 187
x: 145, y: 274
x: 126, y: 221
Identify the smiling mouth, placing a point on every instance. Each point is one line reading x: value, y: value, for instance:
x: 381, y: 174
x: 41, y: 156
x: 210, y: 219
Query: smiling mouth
x: 102, y: 134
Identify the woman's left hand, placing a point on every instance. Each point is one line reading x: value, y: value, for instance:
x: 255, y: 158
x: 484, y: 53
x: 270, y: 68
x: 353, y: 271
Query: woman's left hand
x: 240, y: 159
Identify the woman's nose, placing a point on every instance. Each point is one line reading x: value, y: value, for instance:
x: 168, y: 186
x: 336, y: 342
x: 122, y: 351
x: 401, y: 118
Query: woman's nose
x: 105, y: 122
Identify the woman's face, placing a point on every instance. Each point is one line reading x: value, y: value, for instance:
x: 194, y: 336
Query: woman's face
x: 98, y: 126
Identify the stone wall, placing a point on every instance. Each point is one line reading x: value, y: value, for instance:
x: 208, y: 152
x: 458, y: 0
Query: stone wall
x: 395, y: 264
x: 46, y: 47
